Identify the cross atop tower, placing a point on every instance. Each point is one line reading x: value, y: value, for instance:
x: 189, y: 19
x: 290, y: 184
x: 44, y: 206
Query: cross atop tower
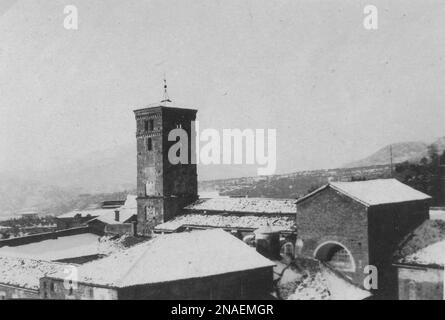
x: 166, y: 97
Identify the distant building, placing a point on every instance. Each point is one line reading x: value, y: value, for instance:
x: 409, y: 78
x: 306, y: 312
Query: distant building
x: 354, y: 224
x: 198, y: 265
x: 101, y: 217
x: 123, y: 219
x: 29, y: 213
x: 420, y: 263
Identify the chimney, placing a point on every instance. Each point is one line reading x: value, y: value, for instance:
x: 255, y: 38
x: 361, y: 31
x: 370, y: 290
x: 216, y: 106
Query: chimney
x: 116, y: 215
x: 267, y: 240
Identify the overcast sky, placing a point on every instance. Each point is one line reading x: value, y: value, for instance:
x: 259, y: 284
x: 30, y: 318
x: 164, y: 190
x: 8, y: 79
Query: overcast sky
x: 334, y: 91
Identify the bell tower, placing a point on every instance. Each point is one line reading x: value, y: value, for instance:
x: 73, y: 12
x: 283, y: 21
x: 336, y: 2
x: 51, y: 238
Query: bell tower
x: 163, y: 188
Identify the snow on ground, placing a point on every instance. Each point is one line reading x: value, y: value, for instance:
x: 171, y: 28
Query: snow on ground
x: 309, y: 279
x: 424, y: 246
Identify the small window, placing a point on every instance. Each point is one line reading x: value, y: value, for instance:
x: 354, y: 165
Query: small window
x: 149, y: 144
x: 71, y: 291
x: 52, y: 287
x: 151, y: 125
x: 146, y: 125
x: 91, y: 292
x: 44, y: 285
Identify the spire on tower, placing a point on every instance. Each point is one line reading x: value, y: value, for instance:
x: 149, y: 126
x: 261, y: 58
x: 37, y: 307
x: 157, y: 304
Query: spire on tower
x: 166, y: 97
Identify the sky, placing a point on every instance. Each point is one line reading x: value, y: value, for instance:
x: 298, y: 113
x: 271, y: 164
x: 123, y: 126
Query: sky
x: 334, y: 91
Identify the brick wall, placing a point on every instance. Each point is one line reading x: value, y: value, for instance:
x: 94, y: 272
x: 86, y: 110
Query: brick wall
x: 388, y: 226
x: 56, y: 289
x: 10, y: 292
x: 330, y: 216
x: 251, y: 284
x: 162, y: 187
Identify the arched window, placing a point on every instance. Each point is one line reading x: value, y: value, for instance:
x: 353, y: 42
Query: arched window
x: 336, y: 255
x: 412, y: 290
x: 149, y: 144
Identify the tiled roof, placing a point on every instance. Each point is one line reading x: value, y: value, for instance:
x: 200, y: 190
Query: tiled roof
x: 375, y: 192
x: 286, y: 223
x: 245, y: 205
x: 424, y: 246
x: 173, y: 257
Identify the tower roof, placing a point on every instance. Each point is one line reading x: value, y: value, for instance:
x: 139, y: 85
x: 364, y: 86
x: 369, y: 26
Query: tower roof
x: 163, y: 105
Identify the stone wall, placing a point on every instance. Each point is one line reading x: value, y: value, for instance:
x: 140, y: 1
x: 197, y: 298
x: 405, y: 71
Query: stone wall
x: 420, y: 283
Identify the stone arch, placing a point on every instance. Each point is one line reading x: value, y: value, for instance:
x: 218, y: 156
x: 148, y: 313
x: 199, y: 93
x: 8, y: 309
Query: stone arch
x: 337, y: 255
x: 288, y: 249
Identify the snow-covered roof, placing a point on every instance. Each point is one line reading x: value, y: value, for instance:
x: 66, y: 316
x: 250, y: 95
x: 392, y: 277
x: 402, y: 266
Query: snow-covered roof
x: 26, y: 273
x: 165, y: 104
x: 284, y: 223
x: 81, y: 245
x: 173, y: 257
x: 126, y: 212
x: 424, y: 246
x: 124, y: 216
x: 375, y: 192
x: 245, y: 205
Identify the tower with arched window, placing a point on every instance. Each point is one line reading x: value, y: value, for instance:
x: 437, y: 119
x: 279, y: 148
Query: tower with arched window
x: 163, y: 188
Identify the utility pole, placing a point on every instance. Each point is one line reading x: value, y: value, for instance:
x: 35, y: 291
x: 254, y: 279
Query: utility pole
x: 390, y: 155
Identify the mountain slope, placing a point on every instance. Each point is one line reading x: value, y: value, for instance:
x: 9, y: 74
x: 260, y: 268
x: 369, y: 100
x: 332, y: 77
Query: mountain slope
x: 401, y: 152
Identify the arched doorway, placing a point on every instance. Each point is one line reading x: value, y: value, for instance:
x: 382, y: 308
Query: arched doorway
x: 336, y: 255
x: 288, y: 249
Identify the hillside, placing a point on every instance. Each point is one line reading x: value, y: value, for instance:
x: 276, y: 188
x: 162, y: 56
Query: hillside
x: 293, y: 185
x: 403, y: 151
x: 111, y: 173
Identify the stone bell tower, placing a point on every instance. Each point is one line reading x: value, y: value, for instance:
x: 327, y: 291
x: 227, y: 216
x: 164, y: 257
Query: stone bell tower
x: 163, y: 188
